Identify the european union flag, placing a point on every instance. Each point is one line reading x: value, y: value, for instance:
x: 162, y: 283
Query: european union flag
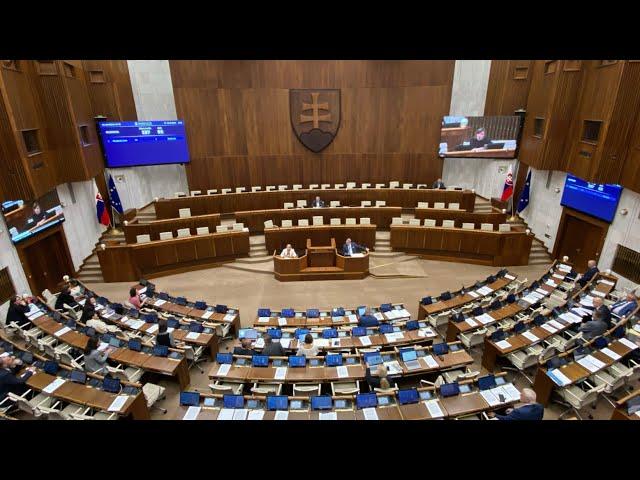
x: 115, y: 198
x: 524, y: 198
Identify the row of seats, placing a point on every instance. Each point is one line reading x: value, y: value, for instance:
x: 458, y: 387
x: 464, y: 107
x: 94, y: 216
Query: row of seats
x: 440, y: 205
x: 185, y: 232
x: 429, y: 222
x: 336, y: 203
x: 318, y: 220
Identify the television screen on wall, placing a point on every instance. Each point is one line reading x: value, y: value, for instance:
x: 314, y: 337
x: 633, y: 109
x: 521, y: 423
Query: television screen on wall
x: 27, y: 218
x: 479, y: 137
x: 596, y: 199
x: 157, y: 142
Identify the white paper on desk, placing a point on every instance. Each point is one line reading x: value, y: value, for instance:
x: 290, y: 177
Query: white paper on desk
x: 434, y: 408
x: 36, y: 314
x: 224, y: 414
x: 263, y: 319
x: 628, y: 343
x: 192, y: 413
x: 357, y: 255
x: 597, y: 293
x: 343, y: 372
x: 559, y: 277
x: 426, y: 332
x: 207, y: 315
x: 281, y: 373
x: 394, y: 337
x: 529, y: 299
x: 537, y: 295
x: 509, y: 277
x: 586, y: 363
x: 103, y: 346
x: 99, y: 307
x: 62, y: 331
x: 259, y: 343
x: 564, y: 268
x: 285, y: 342
x: 587, y: 301
x: 595, y: 362
x: 471, y: 322
x: 142, y: 290
x: 551, y: 283
x: 160, y: 302
x: 571, y: 317
x: 152, y: 329
x: 485, y: 318
x: 542, y: 292
x: 484, y: 290
x: 223, y: 370
x: 53, y: 385
x: 365, y: 340
x: 556, y: 324
x: 606, y: 282
x: 192, y: 336
x: 430, y: 361
x: 282, y: 321
x: 255, y: 415
x: 402, y: 313
x: 549, y: 328
x: 393, y: 367
x: 530, y: 336
x: 378, y: 315
x: 240, y: 414
x: 370, y: 413
x: 582, y: 312
x: 490, y: 397
x: 503, y: 344
x: 170, y: 329
x: 229, y: 317
x: 610, y: 353
x: 391, y: 314
x: 636, y: 327
x: 560, y: 377
x: 352, y: 318
x: 510, y: 392
x: 474, y: 294
x: 281, y: 415
x: 117, y: 403
x: 328, y: 416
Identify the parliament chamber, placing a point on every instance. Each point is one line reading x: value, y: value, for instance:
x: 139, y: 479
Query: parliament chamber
x: 397, y: 252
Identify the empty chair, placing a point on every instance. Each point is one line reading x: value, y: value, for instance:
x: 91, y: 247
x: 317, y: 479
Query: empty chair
x: 202, y: 231
x: 365, y: 221
x: 211, y: 191
x: 267, y: 388
x: 338, y: 185
x: 143, y: 238
x: 238, y: 227
x: 196, y: 192
x: 239, y: 189
x: 345, y: 388
x: 270, y: 188
x: 414, y: 221
x: 454, y: 206
x: 335, y: 221
x: 181, y: 194
x: 394, y: 184
x: 256, y: 188
x: 407, y: 185
x: 351, y: 184
x: 221, y: 228
x: 365, y: 203
x: 297, y: 186
x: 166, y: 235
x: 184, y: 232
x: 421, y: 185
x: 287, y: 223
x: 184, y: 212
x: 438, y: 205
x: 318, y: 220
x: 468, y: 225
x: 429, y: 222
x: 334, y: 203
x: 282, y: 187
x: 580, y: 395
x: 504, y: 227
x: 313, y: 186
x: 226, y: 190
x: 474, y: 337
x: 379, y: 185
x: 324, y: 186
x: 301, y: 203
x: 396, y: 221
x: 350, y: 221
x: 288, y: 204
x: 366, y: 185
x: 268, y: 224
x: 303, y: 222
x: 306, y: 390
x: 486, y: 226
x: 152, y: 393
x: 423, y: 204
x: 381, y: 203
x: 448, y: 223
x: 226, y: 387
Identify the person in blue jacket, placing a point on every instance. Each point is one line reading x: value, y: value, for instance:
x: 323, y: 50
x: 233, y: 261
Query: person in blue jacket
x: 528, y: 410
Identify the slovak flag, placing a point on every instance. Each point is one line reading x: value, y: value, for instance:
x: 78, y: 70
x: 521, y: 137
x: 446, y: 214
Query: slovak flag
x: 508, y: 186
x: 101, y: 210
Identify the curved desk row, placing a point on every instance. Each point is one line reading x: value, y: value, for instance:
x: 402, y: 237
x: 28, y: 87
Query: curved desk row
x: 238, y: 202
x: 460, y: 216
x: 154, y: 228
x: 277, y: 238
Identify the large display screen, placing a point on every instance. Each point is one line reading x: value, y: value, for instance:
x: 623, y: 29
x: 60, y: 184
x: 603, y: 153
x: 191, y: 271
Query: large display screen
x: 479, y: 137
x: 26, y: 218
x: 598, y: 200
x: 157, y: 142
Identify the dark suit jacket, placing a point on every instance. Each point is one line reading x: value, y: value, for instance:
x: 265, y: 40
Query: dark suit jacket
x: 593, y: 329
x: 17, y: 313
x: 438, y: 185
x: 588, y: 275
x: 354, y: 246
x: 9, y: 382
x: 319, y: 203
x: 274, y: 349
x: 605, y: 314
x: 244, y: 351
x: 64, y: 298
x: 534, y: 411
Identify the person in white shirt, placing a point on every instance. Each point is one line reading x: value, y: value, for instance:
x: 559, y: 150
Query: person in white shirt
x: 288, y: 252
x: 308, y: 348
x: 623, y: 308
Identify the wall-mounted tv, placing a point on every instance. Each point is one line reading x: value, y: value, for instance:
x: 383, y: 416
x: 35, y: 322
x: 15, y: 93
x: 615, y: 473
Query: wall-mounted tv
x: 26, y: 218
x: 598, y: 200
x: 479, y: 137
x: 157, y: 142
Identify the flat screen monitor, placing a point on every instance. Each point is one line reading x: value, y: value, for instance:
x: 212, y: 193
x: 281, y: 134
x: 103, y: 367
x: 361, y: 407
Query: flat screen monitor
x: 408, y: 355
x: 595, y: 199
x: 440, y: 348
x: 160, y: 350
x: 408, y: 396
x: 27, y: 218
x: 321, y: 402
x: 449, y: 389
x: 190, y: 399
x: 233, y: 401
x: 78, y: 376
x: 487, y: 382
x: 361, y: 311
x: 366, y: 400
x: 249, y: 333
x: 297, y: 361
x: 260, y: 360
x: 51, y: 367
x: 277, y: 402
x: 372, y: 359
x: 224, y: 358
x: 156, y: 142
x: 479, y: 137
x: 334, y: 360
x: 110, y: 384
x: 358, y: 331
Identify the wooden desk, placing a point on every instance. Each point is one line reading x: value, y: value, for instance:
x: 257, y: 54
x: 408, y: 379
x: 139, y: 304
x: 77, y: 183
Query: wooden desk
x: 277, y: 238
x: 489, y: 153
x: 464, y: 404
x: 461, y: 245
x: 155, y: 227
x: 456, y: 328
x: 460, y: 216
x: 130, y: 262
x: 455, y: 136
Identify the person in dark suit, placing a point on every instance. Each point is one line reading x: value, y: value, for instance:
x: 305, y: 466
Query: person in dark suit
x: 593, y: 328
x: 438, y: 184
x: 88, y: 310
x: 317, y: 202
x: 529, y: 410
x: 480, y: 140
x: 9, y: 381
x: 603, y: 311
x: 65, y: 297
x: 17, y: 311
x: 623, y: 308
x: 349, y: 248
x: 589, y: 274
x: 244, y: 348
x: 374, y: 379
x: 271, y: 348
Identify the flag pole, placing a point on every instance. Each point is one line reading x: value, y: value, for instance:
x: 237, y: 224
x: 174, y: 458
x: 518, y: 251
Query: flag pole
x: 513, y: 217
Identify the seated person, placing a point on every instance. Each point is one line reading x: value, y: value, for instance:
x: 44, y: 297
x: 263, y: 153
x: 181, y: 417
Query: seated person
x: 288, y: 252
x: 134, y: 298
x: 480, y: 140
x: 317, y: 202
x: 623, y: 308
x: 349, y: 248
x: 94, y: 360
x: 17, y: 311
x: 308, y: 348
x: 165, y: 337
x: 244, y: 348
x: 599, y: 306
x: 271, y: 348
x: 90, y: 319
x: 438, y: 184
x: 529, y: 410
x: 589, y: 274
x: 65, y: 297
x: 9, y: 381
x: 374, y: 380
x: 595, y: 327
x: 38, y: 218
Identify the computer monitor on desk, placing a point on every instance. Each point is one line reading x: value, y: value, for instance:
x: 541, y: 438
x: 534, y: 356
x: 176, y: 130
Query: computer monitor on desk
x: 277, y: 402
x: 233, y: 401
x: 224, y: 358
x: 321, y: 402
x: 260, y: 360
x: 449, y: 389
x: 366, y: 400
x: 190, y: 399
x: 487, y: 382
x: 334, y: 360
x: 296, y: 361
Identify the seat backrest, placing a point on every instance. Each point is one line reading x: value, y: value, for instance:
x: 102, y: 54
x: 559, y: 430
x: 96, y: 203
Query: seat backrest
x: 166, y: 235
x: 324, y: 186
x: 454, y: 206
x: 334, y: 203
x: 239, y: 189
x: 303, y: 222
x: 143, y: 238
x: 226, y: 190
x: 318, y: 220
x: 268, y: 224
x: 238, y: 227
x: 448, y: 223
x: 504, y: 227
x: 381, y: 203
x: 287, y: 223
x: 407, y: 185
x: 350, y: 221
x: 180, y: 194
x: 379, y: 185
x: 486, y: 226
x: 414, y: 221
x: 365, y: 221
x: 184, y: 232
x: 297, y: 186
x: 256, y: 188
x: 288, y: 204
x: 202, y: 231
x: 184, y: 212
x: 438, y: 205
x: 335, y: 221
x: 468, y: 225
x: 423, y: 204
x: 301, y: 203
x: 394, y: 184
x: 339, y: 185
x: 221, y: 228
x: 366, y: 185
x: 365, y: 203
x: 270, y: 188
x: 313, y: 186
x: 396, y: 221
x: 196, y: 192
x: 211, y: 191
x: 282, y: 187
x: 429, y: 222
x: 351, y: 184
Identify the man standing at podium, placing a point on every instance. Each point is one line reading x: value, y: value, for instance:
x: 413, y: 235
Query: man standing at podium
x: 317, y: 203
x: 288, y: 252
x: 349, y: 248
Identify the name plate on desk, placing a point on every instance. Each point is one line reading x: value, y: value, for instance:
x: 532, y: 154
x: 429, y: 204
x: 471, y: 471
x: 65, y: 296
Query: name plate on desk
x: 207, y: 315
x: 117, y: 403
x: 53, y: 386
x: 223, y: 370
x: 357, y: 255
x: 62, y: 331
x: 434, y: 408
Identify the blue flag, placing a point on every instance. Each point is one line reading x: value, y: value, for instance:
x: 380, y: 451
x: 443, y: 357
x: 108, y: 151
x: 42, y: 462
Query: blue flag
x: 115, y: 198
x: 524, y: 198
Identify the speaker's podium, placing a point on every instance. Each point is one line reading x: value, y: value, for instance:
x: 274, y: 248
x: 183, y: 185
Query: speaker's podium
x: 321, y: 262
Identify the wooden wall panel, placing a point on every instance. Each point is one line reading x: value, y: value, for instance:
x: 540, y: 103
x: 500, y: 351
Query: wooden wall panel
x: 631, y: 167
x: 508, y: 87
x: 240, y: 134
x: 110, y: 89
